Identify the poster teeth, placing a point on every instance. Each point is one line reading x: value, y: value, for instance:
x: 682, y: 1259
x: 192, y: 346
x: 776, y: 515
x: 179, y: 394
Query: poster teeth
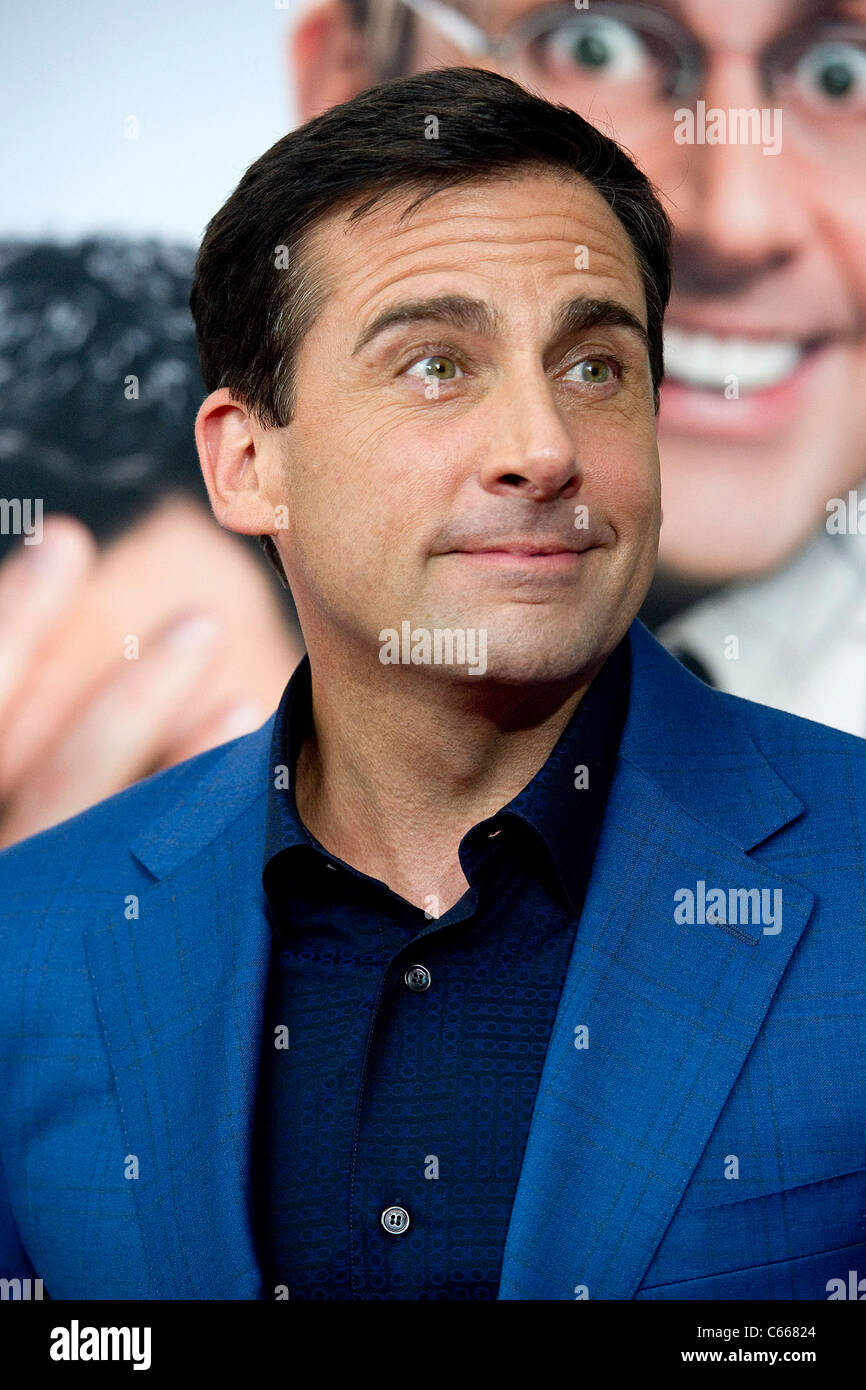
x: 702, y: 359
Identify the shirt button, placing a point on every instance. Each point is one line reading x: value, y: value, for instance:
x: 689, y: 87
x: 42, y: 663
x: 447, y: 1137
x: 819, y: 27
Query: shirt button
x: 417, y: 977
x: 395, y: 1220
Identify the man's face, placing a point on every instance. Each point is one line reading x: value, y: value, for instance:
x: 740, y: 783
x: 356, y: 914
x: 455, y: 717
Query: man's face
x: 762, y: 418
x: 412, y: 449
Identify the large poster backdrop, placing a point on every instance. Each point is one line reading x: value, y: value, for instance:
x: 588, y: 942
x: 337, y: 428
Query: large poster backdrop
x: 125, y: 129
x: 430, y: 928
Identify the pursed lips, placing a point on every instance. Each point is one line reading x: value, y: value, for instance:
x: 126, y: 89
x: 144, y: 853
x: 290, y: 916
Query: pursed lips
x: 544, y: 556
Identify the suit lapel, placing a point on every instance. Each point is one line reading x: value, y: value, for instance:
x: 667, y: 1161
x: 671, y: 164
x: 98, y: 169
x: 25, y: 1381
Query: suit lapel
x: 180, y: 992
x: 671, y: 1010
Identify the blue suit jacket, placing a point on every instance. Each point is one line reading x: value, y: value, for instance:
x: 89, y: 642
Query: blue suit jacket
x: 709, y: 1142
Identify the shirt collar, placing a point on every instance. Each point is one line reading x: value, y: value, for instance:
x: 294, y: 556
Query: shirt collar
x: 285, y: 829
x: 565, y: 801
x: 563, y: 804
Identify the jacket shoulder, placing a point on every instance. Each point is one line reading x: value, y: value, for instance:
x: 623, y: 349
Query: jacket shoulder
x: 89, y: 854
x: 810, y: 756
x: 786, y: 730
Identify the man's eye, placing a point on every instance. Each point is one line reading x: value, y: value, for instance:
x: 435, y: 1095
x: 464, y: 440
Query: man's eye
x: 599, y: 46
x: 435, y: 368
x: 834, y: 74
x: 592, y: 371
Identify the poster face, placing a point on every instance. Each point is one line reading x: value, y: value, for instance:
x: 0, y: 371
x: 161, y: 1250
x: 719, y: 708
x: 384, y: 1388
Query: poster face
x: 433, y: 654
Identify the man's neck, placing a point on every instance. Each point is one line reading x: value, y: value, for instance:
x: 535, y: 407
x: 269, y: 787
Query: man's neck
x: 398, y: 766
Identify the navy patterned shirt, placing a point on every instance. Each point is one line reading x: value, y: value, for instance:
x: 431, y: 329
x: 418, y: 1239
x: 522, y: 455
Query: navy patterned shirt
x: 402, y: 1051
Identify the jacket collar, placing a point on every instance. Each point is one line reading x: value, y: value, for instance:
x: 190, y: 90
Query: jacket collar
x: 687, y: 737
x: 668, y: 1011
x: 692, y: 742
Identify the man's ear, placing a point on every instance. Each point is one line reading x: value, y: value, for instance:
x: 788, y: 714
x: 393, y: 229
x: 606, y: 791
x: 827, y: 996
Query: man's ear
x: 326, y: 60
x: 235, y: 474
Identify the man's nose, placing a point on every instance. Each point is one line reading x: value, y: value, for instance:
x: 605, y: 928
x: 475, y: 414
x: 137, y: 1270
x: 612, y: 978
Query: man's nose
x: 533, y: 452
x: 737, y: 207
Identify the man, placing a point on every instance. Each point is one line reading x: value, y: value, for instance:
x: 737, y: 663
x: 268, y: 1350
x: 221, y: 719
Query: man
x: 110, y: 621
x: 760, y: 589
x: 509, y: 961
x: 761, y: 431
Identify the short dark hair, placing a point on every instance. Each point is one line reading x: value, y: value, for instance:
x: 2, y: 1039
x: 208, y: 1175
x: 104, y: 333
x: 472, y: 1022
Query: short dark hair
x: 255, y: 293
x: 84, y: 324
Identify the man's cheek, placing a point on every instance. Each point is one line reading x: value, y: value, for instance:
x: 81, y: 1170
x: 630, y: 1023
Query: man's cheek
x: 633, y: 501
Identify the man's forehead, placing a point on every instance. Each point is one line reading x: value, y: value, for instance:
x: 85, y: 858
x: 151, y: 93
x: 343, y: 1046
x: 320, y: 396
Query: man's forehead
x: 514, y: 284
x: 707, y: 18
x: 498, y: 13
x: 562, y: 221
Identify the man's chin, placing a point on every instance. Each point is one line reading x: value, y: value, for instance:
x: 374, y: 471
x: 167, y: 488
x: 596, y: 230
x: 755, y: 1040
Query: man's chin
x: 723, y: 524
x: 516, y: 661
x: 709, y: 560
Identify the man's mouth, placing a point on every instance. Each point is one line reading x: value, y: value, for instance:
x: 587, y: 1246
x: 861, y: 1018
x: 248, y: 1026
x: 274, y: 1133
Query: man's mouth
x: 708, y: 362
x: 736, y: 388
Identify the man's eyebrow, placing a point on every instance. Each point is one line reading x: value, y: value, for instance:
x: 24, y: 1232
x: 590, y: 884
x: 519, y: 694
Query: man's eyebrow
x: 457, y: 310
x: 460, y: 311
x: 582, y: 313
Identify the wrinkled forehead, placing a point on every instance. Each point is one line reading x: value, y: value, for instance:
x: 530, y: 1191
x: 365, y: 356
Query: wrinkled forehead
x: 532, y: 227
x: 741, y: 22
x: 703, y: 14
